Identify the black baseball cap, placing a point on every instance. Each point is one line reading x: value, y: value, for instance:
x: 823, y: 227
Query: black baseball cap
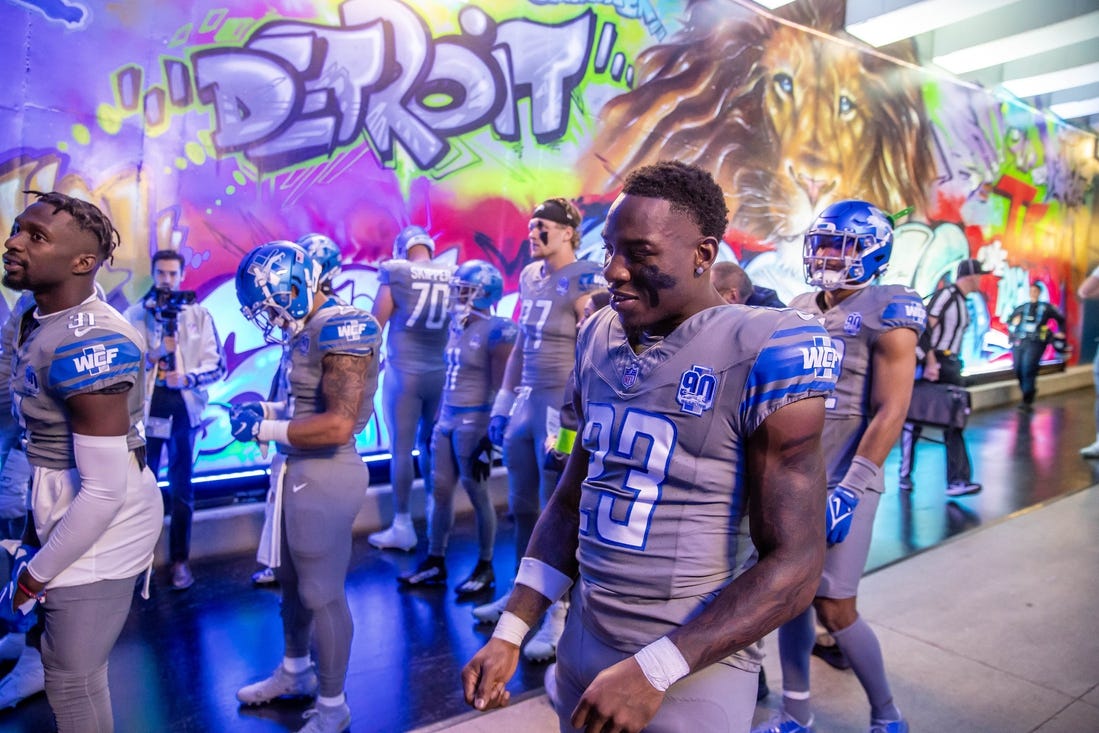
x: 972, y: 266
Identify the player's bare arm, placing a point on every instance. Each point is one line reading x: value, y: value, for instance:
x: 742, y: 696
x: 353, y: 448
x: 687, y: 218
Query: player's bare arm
x: 894, y: 368
x: 501, y: 353
x: 383, y: 305
x: 554, y: 542
x: 513, y: 370
x: 786, y: 493
x: 1090, y: 287
x: 343, y: 386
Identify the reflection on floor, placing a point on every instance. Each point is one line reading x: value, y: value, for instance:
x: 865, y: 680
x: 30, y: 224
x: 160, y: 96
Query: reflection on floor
x: 183, y: 655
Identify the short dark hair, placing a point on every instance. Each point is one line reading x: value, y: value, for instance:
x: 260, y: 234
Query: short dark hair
x: 687, y: 188
x: 168, y: 254
x: 88, y: 218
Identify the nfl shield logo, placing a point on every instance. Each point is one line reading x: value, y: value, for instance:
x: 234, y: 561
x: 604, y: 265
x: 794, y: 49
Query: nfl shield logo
x: 629, y: 377
x: 563, y: 286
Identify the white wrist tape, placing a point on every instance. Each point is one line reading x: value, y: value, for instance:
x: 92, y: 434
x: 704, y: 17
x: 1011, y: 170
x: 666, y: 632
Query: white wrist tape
x: 662, y: 663
x: 860, y: 475
x: 276, y: 430
x: 505, y: 400
x: 546, y: 579
x: 1095, y: 272
x: 511, y: 628
x: 273, y: 410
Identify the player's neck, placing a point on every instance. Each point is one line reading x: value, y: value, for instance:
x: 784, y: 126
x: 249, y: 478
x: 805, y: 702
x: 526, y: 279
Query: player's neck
x: 67, y: 295
x: 557, y: 260
x: 832, y: 298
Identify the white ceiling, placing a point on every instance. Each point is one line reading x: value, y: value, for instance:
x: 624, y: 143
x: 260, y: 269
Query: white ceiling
x: 1045, y: 52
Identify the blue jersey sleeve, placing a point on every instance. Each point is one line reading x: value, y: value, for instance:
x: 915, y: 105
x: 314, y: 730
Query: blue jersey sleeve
x: 905, y: 310
x: 356, y: 334
x: 798, y: 361
x: 503, y: 332
x: 93, y: 362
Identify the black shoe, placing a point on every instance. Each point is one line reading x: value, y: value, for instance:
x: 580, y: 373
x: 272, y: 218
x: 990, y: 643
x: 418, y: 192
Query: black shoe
x: 482, y: 578
x: 762, y: 691
x: 832, y: 655
x: 432, y: 571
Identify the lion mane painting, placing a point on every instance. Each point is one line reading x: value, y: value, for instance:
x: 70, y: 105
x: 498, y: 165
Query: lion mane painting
x: 786, y: 112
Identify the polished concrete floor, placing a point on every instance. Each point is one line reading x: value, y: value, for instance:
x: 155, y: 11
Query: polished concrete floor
x: 182, y: 655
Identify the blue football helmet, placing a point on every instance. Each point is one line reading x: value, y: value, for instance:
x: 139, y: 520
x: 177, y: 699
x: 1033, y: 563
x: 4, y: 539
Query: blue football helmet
x: 275, y: 286
x: 325, y: 254
x: 408, y: 238
x: 475, y: 286
x: 847, y: 246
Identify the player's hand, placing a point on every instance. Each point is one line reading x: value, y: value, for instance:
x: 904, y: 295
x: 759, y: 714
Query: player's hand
x: 484, y: 678
x: 244, y: 423
x: 14, y: 610
x: 620, y: 698
x: 841, y: 510
x: 497, y: 426
x: 253, y: 407
x: 480, y: 464
x: 931, y: 371
x: 175, y: 380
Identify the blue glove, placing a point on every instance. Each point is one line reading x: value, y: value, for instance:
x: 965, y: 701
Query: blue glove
x: 254, y: 407
x: 841, y: 510
x: 497, y: 426
x: 244, y: 423
x: 16, y: 621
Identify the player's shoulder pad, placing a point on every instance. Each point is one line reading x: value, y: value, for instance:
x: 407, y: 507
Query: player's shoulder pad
x: 95, y: 355
x: 347, y: 330
x: 796, y: 356
x: 903, y: 308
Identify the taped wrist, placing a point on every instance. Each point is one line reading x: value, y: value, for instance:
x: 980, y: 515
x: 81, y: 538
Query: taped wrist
x: 662, y: 663
x: 505, y: 400
x: 546, y: 579
x: 273, y: 410
x: 276, y: 430
x: 861, y: 475
x: 511, y: 628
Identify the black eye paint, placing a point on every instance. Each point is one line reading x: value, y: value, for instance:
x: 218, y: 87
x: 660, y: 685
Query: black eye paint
x: 650, y: 281
x: 544, y: 236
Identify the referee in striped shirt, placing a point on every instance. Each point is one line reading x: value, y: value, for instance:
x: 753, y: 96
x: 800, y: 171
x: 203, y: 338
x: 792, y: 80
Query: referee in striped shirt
x: 947, y: 320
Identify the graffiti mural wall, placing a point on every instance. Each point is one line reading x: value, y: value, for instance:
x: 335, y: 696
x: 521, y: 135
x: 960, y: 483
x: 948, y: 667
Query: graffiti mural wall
x: 211, y: 127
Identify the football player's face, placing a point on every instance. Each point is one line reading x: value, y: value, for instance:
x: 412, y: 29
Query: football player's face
x: 548, y: 238
x: 651, y: 254
x: 42, y: 248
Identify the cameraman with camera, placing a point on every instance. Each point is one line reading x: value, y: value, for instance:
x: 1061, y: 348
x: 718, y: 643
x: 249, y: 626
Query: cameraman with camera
x: 183, y: 356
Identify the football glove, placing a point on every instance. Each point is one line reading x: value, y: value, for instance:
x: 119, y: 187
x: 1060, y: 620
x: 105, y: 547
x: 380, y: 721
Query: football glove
x: 841, y: 510
x: 244, y: 422
x: 497, y: 426
x: 480, y: 464
x: 18, y: 620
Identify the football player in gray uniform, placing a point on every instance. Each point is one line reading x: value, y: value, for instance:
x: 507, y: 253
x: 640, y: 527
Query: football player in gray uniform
x: 476, y: 355
x: 553, y: 290
x: 330, y: 366
x: 78, y: 395
x: 874, y: 328
x: 692, y: 412
x: 412, y: 299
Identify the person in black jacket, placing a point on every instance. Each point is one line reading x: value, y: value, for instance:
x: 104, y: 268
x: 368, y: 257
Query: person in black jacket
x: 1030, y: 334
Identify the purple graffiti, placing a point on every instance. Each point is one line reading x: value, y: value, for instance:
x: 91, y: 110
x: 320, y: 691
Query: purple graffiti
x: 296, y: 90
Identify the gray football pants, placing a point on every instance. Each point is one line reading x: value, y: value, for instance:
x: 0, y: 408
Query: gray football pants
x: 411, y: 402
x: 321, y: 497
x: 718, y: 698
x: 82, y: 624
x: 457, y: 435
x: 530, y: 484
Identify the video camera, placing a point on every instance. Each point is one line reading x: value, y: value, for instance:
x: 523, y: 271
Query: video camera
x: 166, y: 304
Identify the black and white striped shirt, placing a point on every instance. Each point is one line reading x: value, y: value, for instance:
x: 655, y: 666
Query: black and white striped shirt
x: 948, y: 307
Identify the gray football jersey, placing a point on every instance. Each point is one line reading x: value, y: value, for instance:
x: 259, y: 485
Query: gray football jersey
x: 418, y: 325
x: 333, y: 329
x: 80, y: 350
x: 547, y: 319
x: 469, y: 360
x: 855, y: 326
x: 661, y: 507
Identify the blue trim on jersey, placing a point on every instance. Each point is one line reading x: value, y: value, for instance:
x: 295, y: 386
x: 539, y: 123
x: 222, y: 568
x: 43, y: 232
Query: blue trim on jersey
x: 905, y: 311
x: 353, y: 334
x: 107, y: 358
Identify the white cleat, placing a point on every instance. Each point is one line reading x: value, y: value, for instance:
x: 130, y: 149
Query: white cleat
x: 397, y: 537
x: 542, y: 647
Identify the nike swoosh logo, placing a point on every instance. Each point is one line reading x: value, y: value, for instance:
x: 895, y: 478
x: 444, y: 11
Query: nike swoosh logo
x: 298, y: 487
x: 81, y: 331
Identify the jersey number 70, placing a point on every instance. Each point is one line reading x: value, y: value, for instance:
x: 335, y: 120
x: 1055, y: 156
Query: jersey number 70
x: 644, y: 440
